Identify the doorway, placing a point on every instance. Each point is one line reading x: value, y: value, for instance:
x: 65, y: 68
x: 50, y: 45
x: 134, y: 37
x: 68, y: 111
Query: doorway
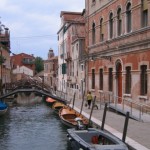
x: 119, y: 81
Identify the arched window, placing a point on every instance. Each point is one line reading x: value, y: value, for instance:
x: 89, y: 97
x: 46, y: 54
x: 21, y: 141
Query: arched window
x: 101, y: 30
x: 144, y: 13
x: 119, y: 22
x: 93, y: 33
x: 111, y: 25
x: 128, y: 13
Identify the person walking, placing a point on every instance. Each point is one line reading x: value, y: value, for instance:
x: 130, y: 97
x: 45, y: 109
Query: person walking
x: 89, y: 99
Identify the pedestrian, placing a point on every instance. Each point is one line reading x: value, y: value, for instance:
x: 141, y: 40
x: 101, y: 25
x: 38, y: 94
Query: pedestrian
x: 89, y: 99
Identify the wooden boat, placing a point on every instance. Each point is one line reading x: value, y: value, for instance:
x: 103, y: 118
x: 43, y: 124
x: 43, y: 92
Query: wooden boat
x: 93, y: 139
x: 68, y: 117
x: 3, y: 108
x: 57, y: 106
x: 50, y: 101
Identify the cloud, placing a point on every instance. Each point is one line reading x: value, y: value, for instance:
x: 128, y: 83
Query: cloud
x: 34, y: 20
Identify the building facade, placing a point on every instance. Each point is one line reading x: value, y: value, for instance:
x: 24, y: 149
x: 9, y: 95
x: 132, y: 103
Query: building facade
x: 71, y: 44
x: 51, y: 70
x: 5, y: 67
x: 22, y: 65
x: 118, y: 48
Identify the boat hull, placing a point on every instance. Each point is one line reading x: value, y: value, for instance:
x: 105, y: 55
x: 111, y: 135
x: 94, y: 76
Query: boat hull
x: 68, y: 116
x: 93, y: 139
x: 2, y: 112
x: 3, y: 108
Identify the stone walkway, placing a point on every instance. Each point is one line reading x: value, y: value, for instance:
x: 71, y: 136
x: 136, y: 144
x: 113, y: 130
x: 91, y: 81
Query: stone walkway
x: 138, y: 134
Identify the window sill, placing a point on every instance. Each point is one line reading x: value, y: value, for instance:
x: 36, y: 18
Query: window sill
x: 92, y: 90
x: 141, y: 97
x: 127, y: 95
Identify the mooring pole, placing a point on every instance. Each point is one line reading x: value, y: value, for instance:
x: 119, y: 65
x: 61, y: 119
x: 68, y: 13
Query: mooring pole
x: 92, y: 111
x: 125, y: 127
x: 104, y: 117
x: 82, y: 102
x: 73, y: 100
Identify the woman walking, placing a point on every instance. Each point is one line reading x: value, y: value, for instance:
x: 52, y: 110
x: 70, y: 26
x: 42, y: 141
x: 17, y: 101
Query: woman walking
x: 89, y: 99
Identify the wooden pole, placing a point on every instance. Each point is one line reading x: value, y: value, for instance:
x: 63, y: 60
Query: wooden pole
x: 91, y: 111
x: 125, y: 127
x: 104, y: 117
x: 73, y: 99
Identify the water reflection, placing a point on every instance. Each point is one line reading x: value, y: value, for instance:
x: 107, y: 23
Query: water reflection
x: 32, y: 128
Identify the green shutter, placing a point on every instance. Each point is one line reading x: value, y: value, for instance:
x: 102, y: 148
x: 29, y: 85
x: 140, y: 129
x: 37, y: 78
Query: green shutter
x: 64, y: 68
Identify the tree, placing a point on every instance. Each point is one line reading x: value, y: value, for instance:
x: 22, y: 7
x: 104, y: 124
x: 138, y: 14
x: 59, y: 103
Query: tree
x: 39, y: 64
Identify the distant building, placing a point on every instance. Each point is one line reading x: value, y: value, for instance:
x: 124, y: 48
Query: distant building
x: 5, y: 68
x: 22, y: 65
x: 51, y: 70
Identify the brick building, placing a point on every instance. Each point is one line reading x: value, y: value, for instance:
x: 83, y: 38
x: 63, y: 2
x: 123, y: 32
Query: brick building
x: 22, y: 65
x: 118, y: 48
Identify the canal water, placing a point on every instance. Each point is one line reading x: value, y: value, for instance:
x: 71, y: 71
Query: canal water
x: 34, y: 127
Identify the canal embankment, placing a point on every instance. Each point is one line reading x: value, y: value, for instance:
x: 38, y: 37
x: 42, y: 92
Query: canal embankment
x: 137, y: 134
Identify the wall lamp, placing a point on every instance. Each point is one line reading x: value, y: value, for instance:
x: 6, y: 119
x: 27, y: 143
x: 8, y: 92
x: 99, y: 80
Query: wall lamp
x: 106, y: 57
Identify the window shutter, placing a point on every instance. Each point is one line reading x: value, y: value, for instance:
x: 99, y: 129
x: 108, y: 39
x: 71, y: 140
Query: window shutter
x: 145, y: 5
x: 64, y: 68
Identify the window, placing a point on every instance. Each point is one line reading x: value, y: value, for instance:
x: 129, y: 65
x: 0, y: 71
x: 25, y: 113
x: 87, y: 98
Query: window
x: 93, y: 33
x: 101, y: 30
x: 111, y: 25
x: 101, y: 79
x: 143, y: 80
x: 82, y: 67
x: 128, y: 80
x: 110, y: 79
x: 144, y: 13
x: 93, y: 78
x: 128, y: 13
x: 119, y: 21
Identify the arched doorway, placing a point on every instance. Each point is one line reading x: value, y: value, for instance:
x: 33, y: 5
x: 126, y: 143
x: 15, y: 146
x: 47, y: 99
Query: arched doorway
x: 119, y: 81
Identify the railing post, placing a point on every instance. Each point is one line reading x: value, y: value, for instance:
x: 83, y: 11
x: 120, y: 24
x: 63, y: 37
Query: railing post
x: 100, y: 99
x: 123, y: 104
x: 131, y: 108
x: 140, y: 112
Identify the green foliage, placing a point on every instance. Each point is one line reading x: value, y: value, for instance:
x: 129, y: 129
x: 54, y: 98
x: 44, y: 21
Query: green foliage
x: 2, y: 60
x: 39, y: 64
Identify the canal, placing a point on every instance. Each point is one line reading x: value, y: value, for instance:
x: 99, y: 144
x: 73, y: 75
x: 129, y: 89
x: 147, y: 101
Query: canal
x: 32, y: 127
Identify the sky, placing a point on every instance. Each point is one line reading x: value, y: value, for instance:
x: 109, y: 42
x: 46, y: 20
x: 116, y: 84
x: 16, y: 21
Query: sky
x: 34, y: 24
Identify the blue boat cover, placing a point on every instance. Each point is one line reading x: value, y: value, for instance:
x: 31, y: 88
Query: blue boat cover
x: 3, y: 105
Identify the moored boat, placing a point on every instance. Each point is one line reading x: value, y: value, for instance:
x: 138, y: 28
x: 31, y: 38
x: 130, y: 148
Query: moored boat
x: 68, y: 117
x: 50, y: 101
x: 57, y: 106
x: 94, y: 139
x: 3, y: 108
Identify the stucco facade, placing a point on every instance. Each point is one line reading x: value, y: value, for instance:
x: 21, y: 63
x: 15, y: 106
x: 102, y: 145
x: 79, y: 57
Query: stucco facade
x: 71, y: 44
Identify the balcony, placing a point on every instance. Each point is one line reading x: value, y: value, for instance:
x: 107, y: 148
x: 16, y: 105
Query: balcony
x: 69, y: 78
x: 68, y: 57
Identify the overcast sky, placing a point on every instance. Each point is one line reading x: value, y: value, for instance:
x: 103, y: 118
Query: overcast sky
x: 33, y: 24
